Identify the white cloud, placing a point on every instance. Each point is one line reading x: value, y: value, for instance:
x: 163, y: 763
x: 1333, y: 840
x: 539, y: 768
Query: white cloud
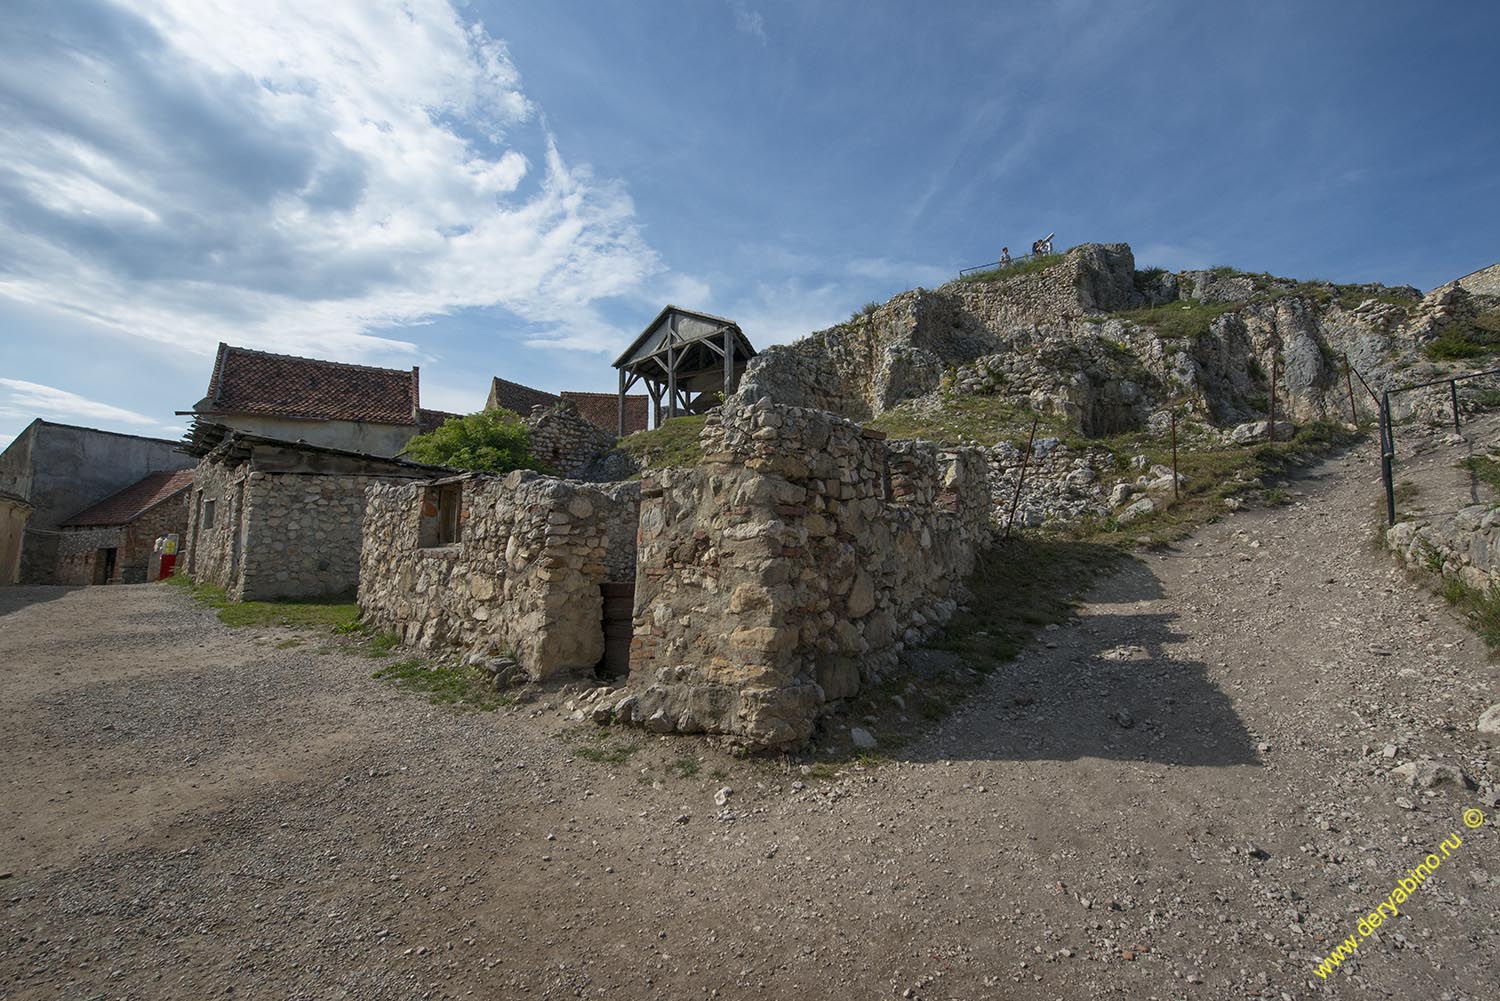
x: 748, y: 22
x: 292, y: 175
x: 5, y: 440
x: 25, y: 400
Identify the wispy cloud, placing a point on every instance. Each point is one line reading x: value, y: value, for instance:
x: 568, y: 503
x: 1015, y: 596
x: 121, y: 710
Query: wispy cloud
x: 25, y: 400
x: 293, y: 175
x: 748, y: 21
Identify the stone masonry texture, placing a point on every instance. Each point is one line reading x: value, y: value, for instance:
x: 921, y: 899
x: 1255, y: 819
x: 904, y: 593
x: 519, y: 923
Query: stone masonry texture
x: 523, y: 577
x: 790, y: 567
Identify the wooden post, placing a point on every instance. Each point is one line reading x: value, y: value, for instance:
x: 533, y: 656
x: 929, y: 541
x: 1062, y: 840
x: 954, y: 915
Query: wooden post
x: 671, y: 370
x: 621, y: 432
x: 728, y: 363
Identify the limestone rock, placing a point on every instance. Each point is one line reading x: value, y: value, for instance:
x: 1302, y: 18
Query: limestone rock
x: 1425, y: 773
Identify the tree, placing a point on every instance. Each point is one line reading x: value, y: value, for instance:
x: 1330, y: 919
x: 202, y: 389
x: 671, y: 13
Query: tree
x: 491, y: 441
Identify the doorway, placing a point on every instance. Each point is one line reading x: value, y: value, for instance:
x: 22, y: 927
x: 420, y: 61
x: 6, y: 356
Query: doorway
x: 104, y: 565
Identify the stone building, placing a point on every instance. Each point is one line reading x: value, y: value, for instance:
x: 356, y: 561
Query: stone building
x: 112, y: 541
x: 14, y: 513
x: 599, y: 409
x: 58, y: 470
x: 356, y: 408
x: 277, y: 519
x: 570, y: 445
x: 790, y: 567
x: 498, y: 564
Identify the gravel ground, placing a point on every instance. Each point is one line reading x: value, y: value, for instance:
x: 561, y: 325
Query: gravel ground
x: 1183, y: 794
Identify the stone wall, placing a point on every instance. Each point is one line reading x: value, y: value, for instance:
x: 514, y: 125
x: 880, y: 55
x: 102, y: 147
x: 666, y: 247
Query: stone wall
x: 565, y: 442
x: 78, y: 554
x: 276, y: 534
x: 1463, y: 545
x: 790, y: 568
x: 522, y: 578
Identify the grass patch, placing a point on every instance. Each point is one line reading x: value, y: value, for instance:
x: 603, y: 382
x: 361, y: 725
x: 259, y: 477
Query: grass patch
x: 336, y: 613
x: 609, y: 754
x: 1481, y: 609
x: 1484, y: 469
x: 1011, y: 271
x: 1460, y: 342
x: 988, y: 420
x: 457, y: 686
x: 673, y: 444
x: 685, y: 767
x: 1179, y: 320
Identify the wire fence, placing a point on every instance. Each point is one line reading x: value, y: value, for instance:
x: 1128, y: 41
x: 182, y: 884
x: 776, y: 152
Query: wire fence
x: 1001, y: 265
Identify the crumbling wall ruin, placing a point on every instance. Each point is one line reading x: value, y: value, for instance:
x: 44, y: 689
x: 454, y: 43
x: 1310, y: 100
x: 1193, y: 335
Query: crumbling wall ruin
x: 522, y: 577
x: 564, y: 441
x: 790, y: 567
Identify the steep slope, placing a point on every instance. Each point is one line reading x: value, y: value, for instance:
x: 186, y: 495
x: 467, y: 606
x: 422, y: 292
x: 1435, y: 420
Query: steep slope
x: 1095, y: 342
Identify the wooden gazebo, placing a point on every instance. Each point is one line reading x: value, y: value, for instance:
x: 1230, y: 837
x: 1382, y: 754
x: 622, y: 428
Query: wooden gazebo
x: 686, y: 359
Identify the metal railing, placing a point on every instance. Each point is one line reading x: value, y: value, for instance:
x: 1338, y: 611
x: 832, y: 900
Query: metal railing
x: 999, y: 265
x: 1388, y: 434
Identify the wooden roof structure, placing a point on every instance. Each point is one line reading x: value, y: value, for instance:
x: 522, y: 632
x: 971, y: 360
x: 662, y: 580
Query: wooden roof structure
x: 686, y: 359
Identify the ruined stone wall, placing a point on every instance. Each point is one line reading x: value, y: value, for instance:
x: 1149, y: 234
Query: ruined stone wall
x: 524, y: 576
x: 622, y: 514
x: 567, y: 443
x: 790, y: 567
x: 1464, y: 544
x: 900, y: 350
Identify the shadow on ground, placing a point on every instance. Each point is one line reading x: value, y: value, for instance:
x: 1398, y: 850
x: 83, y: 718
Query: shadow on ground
x: 15, y: 598
x: 1106, y: 685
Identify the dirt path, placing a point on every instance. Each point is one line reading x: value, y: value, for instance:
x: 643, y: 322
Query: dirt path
x: 192, y: 811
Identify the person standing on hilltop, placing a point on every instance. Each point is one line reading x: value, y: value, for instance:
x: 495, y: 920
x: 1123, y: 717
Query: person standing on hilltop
x: 1004, y: 256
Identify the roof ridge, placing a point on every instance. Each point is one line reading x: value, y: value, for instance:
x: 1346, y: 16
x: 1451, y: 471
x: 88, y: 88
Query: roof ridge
x: 321, y: 361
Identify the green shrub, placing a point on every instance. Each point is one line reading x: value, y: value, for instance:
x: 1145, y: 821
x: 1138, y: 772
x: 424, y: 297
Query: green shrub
x: 491, y: 441
x: 1177, y: 320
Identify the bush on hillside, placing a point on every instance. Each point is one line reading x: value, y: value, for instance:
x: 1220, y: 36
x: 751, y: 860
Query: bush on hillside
x: 491, y: 441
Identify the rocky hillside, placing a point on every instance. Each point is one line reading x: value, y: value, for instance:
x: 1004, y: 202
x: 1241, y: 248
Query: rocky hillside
x: 1101, y: 346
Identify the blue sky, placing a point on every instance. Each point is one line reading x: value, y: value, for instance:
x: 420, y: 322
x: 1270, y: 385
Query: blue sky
x: 488, y: 188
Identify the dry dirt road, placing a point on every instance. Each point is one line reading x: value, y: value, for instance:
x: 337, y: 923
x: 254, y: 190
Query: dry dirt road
x: 192, y: 811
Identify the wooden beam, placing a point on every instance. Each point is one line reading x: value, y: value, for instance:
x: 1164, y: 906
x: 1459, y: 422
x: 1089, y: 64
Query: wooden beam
x: 621, y: 431
x: 730, y: 347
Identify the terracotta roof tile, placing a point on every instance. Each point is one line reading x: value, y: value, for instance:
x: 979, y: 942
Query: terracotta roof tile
x: 514, y: 396
x: 130, y: 503
x: 257, y: 382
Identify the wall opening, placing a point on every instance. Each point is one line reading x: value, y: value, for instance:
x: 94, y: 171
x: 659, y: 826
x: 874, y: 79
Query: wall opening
x: 441, y: 506
x: 208, y: 513
x: 104, y: 565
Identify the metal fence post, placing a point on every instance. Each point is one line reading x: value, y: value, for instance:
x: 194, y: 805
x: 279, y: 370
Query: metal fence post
x: 1387, y: 456
x: 1174, y: 454
x: 1271, y: 426
x: 1349, y: 382
x: 1021, y: 476
x: 1453, y: 392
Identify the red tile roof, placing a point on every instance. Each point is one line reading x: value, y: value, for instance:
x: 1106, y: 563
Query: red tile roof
x: 257, y: 382
x: 516, y: 397
x: 134, y: 501
x: 603, y: 410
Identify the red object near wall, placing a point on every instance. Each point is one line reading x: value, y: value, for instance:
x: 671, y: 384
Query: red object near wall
x: 167, y: 565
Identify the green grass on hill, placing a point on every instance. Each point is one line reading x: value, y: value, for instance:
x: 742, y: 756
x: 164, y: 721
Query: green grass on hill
x: 444, y: 685
x: 675, y: 443
x: 338, y: 613
x: 1461, y: 342
x: 1485, y: 469
x: 1012, y: 271
x: 987, y: 420
x: 1179, y: 320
